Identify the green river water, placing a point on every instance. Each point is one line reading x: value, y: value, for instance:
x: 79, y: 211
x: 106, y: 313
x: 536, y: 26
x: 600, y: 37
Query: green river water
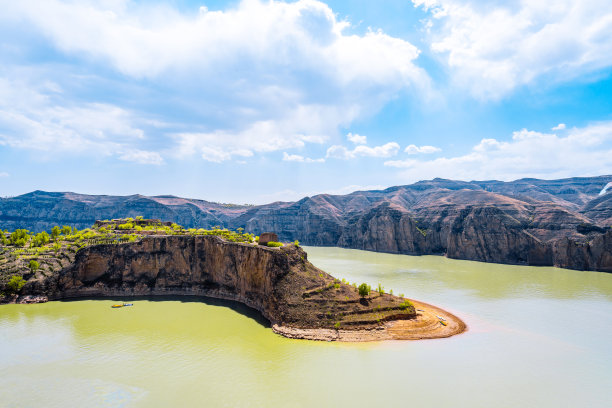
x: 538, y: 337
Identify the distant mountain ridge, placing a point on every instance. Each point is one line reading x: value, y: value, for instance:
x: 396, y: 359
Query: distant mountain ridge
x: 529, y: 221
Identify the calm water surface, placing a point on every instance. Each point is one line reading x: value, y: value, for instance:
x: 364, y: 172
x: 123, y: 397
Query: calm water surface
x: 538, y: 337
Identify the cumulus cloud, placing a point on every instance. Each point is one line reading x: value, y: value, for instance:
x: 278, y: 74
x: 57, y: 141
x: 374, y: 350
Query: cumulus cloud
x: 31, y: 118
x: 583, y: 151
x: 233, y: 71
x: 357, y: 139
x: 560, y: 126
x: 301, y: 159
x: 414, y: 149
x: 340, y: 152
x: 493, y: 49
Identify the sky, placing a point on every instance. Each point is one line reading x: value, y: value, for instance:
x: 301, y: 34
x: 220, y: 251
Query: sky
x: 257, y: 101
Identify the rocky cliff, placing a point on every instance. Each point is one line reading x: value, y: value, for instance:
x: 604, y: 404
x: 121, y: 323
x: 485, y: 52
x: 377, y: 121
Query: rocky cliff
x: 279, y: 282
x: 565, y: 222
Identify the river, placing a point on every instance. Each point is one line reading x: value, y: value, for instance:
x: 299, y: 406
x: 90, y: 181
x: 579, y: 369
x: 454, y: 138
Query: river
x: 538, y: 337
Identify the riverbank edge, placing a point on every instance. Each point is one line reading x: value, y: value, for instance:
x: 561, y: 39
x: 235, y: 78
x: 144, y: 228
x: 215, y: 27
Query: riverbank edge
x: 427, y: 324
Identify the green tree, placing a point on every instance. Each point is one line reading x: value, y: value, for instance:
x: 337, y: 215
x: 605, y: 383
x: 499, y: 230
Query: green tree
x: 15, y: 284
x: 19, y: 237
x: 381, y: 290
x: 66, y: 230
x: 55, y: 231
x: 34, y: 265
x: 364, y: 290
x: 40, y: 239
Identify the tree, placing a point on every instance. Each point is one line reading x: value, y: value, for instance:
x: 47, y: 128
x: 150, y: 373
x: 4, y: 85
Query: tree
x: 55, y: 231
x: 66, y: 230
x: 19, y: 237
x: 15, y: 284
x: 40, y: 239
x: 381, y: 290
x: 364, y: 290
x: 34, y: 265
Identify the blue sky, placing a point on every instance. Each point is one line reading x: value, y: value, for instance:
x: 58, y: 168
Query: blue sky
x: 256, y: 101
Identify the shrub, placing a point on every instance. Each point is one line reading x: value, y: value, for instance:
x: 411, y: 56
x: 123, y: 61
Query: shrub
x: 139, y: 217
x: 15, y: 284
x: 275, y: 244
x: 40, y: 239
x: 126, y: 226
x: 296, y: 243
x: 34, y: 266
x: 406, y: 304
x: 19, y: 237
x: 55, y: 231
x: 66, y: 230
x: 364, y: 289
x: 380, y: 290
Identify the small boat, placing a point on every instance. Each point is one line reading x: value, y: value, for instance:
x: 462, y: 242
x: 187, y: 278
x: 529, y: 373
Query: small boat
x: 442, y: 323
x: 128, y: 304
x: 117, y: 305
x: 439, y: 317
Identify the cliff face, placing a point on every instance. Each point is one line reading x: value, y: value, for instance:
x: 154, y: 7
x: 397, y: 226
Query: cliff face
x: 278, y: 282
x: 200, y: 265
x: 535, y: 222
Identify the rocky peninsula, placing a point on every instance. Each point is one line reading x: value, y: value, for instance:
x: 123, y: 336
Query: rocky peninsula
x: 140, y: 257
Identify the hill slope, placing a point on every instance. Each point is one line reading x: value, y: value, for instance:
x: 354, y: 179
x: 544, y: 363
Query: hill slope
x: 529, y: 221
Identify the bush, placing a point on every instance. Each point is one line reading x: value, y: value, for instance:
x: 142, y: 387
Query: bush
x: 296, y: 243
x: 275, y: 244
x: 19, y: 237
x: 364, y: 289
x: 55, y: 231
x: 34, y: 266
x: 381, y: 290
x: 66, y: 230
x: 406, y: 304
x: 40, y: 239
x: 126, y: 226
x: 15, y: 284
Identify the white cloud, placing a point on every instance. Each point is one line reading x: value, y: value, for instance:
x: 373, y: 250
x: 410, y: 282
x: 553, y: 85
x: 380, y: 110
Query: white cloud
x: 560, y: 126
x: 493, y: 48
x: 301, y: 159
x: 234, y: 71
x: 357, y: 139
x: 340, y: 152
x: 413, y: 149
x: 34, y: 120
x: 3, y: 174
x: 142, y: 157
x: 584, y: 151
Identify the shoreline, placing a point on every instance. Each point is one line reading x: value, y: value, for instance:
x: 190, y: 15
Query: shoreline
x: 424, y: 327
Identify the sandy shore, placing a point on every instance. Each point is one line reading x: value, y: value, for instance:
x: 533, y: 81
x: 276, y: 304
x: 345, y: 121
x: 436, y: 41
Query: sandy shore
x: 427, y: 325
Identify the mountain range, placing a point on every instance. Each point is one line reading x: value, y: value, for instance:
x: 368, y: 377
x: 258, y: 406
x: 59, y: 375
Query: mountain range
x: 565, y: 223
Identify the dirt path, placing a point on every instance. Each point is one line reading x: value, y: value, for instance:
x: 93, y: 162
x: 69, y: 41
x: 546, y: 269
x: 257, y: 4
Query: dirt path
x: 427, y: 325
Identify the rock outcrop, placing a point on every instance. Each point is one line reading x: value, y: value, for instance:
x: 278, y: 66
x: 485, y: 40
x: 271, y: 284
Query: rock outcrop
x: 564, y: 223
x: 278, y: 282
